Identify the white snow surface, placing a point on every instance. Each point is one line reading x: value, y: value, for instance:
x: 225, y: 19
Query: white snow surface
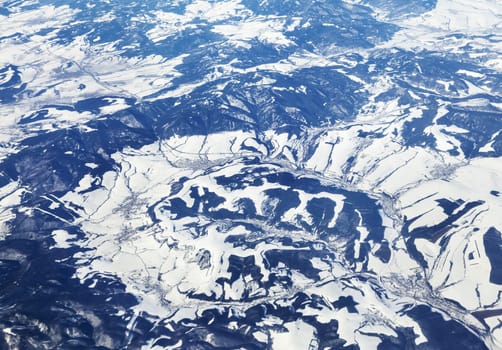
x: 162, y: 262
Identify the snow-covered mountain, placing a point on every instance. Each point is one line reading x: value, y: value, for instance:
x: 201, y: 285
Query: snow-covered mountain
x: 250, y: 174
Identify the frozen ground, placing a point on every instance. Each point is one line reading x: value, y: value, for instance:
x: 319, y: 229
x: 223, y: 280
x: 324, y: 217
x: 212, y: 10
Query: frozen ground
x: 242, y: 174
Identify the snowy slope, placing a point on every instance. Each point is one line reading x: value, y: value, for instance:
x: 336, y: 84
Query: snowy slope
x: 243, y: 174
